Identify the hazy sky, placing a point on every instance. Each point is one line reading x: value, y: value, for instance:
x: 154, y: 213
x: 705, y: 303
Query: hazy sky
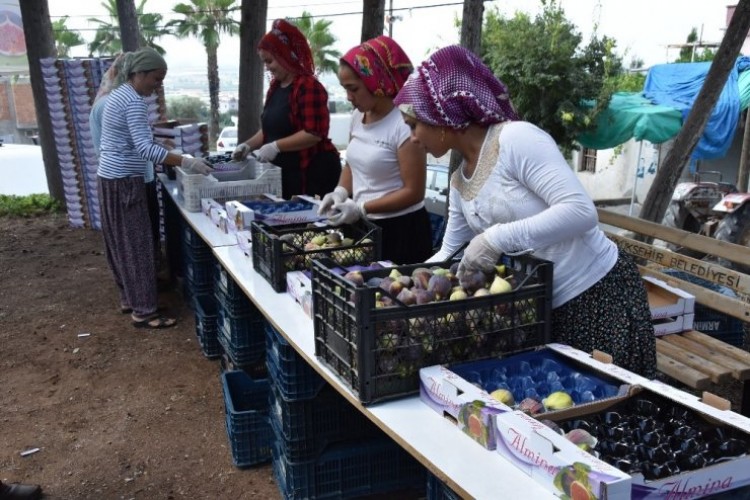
x: 642, y: 28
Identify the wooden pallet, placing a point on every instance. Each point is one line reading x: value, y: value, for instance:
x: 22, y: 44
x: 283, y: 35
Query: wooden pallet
x: 697, y: 360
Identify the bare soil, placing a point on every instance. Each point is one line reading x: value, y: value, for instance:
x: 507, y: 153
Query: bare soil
x: 122, y: 413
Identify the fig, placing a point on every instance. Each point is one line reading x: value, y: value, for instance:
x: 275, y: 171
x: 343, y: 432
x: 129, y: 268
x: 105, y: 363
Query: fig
x: 319, y: 240
x: 405, y: 281
x: 440, y: 271
x: 333, y: 238
x: 423, y: 296
x: 355, y: 277
x: 407, y: 297
x: 459, y: 294
x: 395, y: 273
x: 504, y: 396
x: 385, y: 283
x: 374, y: 282
x: 421, y: 277
x: 473, y: 281
x: 558, y: 400
x: 530, y: 406
x: 499, y: 285
x: 581, y: 438
x: 454, y: 268
x: 396, y: 287
x: 347, y: 242
x: 482, y: 292
x: 440, y: 286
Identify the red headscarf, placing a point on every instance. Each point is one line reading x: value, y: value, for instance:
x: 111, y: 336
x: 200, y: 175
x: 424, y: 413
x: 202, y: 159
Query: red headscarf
x: 381, y: 64
x: 289, y: 46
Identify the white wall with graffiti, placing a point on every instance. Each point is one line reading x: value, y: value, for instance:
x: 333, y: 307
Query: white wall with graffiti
x: 618, y: 172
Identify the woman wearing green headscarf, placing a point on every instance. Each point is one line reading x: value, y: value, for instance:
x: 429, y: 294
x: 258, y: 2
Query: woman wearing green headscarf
x: 127, y: 145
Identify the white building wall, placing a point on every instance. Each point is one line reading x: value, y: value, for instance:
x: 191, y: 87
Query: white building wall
x: 618, y: 171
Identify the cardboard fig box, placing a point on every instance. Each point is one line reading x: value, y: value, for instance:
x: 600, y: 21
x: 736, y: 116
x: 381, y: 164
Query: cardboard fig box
x: 667, y: 301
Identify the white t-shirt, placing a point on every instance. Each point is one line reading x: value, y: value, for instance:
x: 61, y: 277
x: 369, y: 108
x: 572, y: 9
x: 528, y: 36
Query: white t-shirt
x: 524, y: 196
x: 372, y: 155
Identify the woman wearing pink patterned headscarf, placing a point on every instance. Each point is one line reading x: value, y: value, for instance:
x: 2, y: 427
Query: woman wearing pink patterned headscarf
x: 295, y: 119
x: 384, y: 172
x: 515, y: 193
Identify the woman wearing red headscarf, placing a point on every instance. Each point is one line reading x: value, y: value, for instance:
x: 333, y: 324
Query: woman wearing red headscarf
x: 385, y: 172
x: 295, y: 119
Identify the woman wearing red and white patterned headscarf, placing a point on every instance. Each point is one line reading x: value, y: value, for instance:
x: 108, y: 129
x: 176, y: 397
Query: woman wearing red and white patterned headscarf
x: 295, y: 119
x: 385, y: 172
x: 515, y: 193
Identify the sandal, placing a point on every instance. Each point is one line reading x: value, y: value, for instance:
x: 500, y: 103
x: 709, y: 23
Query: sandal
x: 155, y: 322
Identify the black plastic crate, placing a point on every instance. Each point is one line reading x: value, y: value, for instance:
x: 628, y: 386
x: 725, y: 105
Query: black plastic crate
x: 205, y: 308
x: 378, y: 350
x: 248, y: 428
x: 352, y: 470
x: 306, y: 427
x: 279, y: 249
x: 294, y: 377
x: 200, y: 273
x: 438, y: 490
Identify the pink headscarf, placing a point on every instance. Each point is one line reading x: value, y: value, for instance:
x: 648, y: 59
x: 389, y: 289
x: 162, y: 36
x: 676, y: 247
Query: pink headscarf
x: 453, y: 88
x: 381, y: 64
x: 289, y: 46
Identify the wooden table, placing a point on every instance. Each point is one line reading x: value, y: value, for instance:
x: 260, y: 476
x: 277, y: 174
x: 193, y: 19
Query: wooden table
x: 698, y: 360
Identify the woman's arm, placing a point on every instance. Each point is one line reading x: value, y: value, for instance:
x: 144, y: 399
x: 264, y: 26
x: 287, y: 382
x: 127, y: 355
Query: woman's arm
x: 457, y: 230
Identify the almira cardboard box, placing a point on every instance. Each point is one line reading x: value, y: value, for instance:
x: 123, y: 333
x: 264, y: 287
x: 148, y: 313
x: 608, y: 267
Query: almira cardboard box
x: 666, y: 301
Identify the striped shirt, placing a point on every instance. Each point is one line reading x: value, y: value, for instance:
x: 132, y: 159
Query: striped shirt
x: 127, y: 142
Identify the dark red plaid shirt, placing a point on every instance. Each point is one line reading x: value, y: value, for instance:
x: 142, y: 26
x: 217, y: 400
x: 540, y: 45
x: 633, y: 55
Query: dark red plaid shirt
x: 309, y: 112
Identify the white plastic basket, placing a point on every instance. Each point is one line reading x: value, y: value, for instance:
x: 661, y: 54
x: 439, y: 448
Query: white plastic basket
x: 253, y: 178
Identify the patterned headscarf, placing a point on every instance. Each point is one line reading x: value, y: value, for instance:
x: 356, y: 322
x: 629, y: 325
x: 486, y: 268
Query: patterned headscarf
x: 453, y: 88
x: 114, y: 76
x: 289, y: 46
x: 381, y: 64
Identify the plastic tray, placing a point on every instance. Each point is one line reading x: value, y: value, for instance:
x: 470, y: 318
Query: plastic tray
x: 254, y: 178
x: 378, y: 351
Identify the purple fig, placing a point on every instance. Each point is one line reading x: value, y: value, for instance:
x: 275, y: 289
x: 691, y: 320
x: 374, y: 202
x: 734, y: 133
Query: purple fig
x: 406, y: 281
x: 531, y: 406
x: 355, y: 277
x: 407, y: 297
x: 582, y: 439
x: 423, y: 296
x: 440, y: 286
x: 395, y: 287
x: 421, y: 277
x: 385, y: 283
x: 473, y: 281
x: 454, y: 267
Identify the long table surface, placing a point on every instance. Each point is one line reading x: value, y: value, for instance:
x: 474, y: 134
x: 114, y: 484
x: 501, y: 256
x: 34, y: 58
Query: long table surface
x: 466, y: 467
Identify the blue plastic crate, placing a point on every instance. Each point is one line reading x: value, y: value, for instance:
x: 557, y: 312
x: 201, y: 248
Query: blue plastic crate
x: 199, y: 272
x: 205, y: 325
x: 193, y: 244
x: 229, y: 294
x: 248, y: 429
x: 243, y: 337
x: 294, y: 377
x: 350, y: 470
x: 438, y: 490
x: 304, y: 428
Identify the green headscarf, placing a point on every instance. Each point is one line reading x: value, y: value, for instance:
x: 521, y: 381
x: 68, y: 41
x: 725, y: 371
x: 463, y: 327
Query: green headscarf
x: 145, y: 59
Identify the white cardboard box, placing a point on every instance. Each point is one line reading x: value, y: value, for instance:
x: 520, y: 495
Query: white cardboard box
x: 667, y: 301
x: 299, y: 286
x: 243, y: 241
x: 677, y: 324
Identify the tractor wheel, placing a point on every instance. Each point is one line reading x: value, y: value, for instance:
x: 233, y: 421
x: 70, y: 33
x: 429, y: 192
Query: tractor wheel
x: 679, y: 217
x: 735, y: 228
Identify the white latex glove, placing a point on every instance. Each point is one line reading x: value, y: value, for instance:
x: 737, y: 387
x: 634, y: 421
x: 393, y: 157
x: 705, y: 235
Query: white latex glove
x: 478, y: 256
x: 196, y: 165
x: 267, y: 152
x: 339, y: 195
x: 348, y: 212
x: 240, y: 152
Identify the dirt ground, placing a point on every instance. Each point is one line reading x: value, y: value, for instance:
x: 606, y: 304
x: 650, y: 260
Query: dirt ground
x: 118, y: 414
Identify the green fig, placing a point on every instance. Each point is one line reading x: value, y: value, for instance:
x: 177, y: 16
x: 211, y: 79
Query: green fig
x: 499, y: 285
x: 458, y: 294
x: 558, y: 400
x: 504, y: 396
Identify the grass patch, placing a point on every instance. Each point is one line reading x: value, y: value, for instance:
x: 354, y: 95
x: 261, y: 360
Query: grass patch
x: 28, y: 206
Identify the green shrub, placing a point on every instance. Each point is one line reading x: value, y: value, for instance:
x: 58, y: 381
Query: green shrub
x: 28, y: 206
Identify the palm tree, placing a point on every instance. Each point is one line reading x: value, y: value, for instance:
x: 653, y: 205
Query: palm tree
x: 65, y: 39
x: 207, y: 20
x: 321, y: 40
x: 107, y: 38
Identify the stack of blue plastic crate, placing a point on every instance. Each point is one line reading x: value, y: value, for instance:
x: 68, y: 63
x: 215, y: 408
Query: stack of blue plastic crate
x: 324, y: 447
x: 198, y: 265
x: 206, y: 325
x: 248, y: 429
x: 240, y: 325
x: 438, y: 490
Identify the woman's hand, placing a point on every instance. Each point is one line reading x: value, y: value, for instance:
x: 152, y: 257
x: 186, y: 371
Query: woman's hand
x: 196, y: 165
x: 348, y: 212
x: 478, y: 256
x: 241, y: 152
x: 339, y: 195
x: 267, y: 152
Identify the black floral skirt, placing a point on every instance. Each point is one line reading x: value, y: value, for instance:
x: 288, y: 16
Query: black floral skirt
x: 612, y: 316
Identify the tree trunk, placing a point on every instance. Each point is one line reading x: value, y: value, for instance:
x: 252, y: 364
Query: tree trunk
x: 471, y: 38
x: 213, y: 93
x: 373, y: 18
x: 658, y: 197
x: 40, y: 44
x: 252, y: 29
x: 129, y: 27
